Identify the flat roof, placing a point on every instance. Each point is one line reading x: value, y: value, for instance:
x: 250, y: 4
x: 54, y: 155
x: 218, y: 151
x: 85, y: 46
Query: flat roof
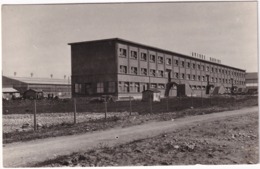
x: 155, y: 48
x: 33, y: 80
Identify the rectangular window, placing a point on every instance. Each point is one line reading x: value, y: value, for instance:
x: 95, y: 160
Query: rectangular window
x: 143, y: 57
x: 198, y: 67
x: 203, y: 78
x: 188, y: 64
x: 176, y: 62
x: 153, y: 85
x: 182, y: 76
x: 111, y: 87
x: 193, y: 87
x: 207, y: 69
x: 122, y: 52
x: 143, y: 87
x: 176, y: 75
x: 152, y: 58
x: 143, y: 71
x: 182, y: 63
x: 133, y: 55
x: 100, y: 87
x: 160, y: 73
x: 120, y: 87
x: 198, y: 77
x: 193, y: 77
x: 212, y: 69
x: 188, y: 77
x: 212, y: 79
x: 194, y: 66
x: 134, y: 70
x: 123, y: 69
x: 216, y: 70
x: 77, y: 88
x: 88, y: 88
x: 216, y: 80
x: 168, y: 61
x: 152, y: 72
x: 126, y: 87
x: 161, y: 86
x: 132, y: 87
x: 160, y: 59
x: 202, y: 67
x: 219, y: 70
x: 136, y: 87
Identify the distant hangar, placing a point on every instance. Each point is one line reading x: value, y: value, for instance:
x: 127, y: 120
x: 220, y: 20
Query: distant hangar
x: 49, y: 86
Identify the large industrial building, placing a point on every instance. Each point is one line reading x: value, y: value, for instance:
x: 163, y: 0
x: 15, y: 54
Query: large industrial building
x: 123, y: 68
x: 49, y: 86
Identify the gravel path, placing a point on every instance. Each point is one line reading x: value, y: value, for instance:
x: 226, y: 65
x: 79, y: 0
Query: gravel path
x: 28, y: 153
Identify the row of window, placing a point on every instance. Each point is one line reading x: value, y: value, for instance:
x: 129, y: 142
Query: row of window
x: 160, y: 73
x: 126, y: 87
x: 168, y: 61
x: 129, y: 87
x: 123, y: 87
x: 92, y: 88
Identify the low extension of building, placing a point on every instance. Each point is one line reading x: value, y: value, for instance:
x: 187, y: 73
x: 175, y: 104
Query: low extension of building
x: 252, y: 82
x: 123, y: 68
x: 48, y: 86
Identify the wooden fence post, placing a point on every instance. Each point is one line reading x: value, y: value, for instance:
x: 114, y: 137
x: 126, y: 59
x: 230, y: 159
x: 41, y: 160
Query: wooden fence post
x: 75, y: 110
x: 34, y: 116
x: 130, y: 105
x: 167, y: 102
x: 105, y: 110
x: 116, y: 105
x: 192, y: 100
x: 151, y: 105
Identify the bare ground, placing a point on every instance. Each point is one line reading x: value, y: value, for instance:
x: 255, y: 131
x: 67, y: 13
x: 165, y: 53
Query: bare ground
x: 192, y: 135
x: 233, y: 140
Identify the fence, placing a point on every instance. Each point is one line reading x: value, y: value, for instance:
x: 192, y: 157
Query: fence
x: 81, y: 109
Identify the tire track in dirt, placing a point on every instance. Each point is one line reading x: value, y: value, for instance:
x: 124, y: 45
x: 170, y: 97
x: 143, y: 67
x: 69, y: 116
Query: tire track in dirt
x: 28, y: 153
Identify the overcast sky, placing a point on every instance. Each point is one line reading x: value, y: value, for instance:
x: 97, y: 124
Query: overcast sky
x: 35, y: 37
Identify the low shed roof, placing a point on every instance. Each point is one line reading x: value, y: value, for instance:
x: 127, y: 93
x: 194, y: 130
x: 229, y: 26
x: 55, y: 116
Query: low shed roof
x: 9, y: 90
x: 34, y: 80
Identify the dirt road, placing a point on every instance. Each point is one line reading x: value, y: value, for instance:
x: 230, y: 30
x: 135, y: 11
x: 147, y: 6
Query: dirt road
x: 28, y: 153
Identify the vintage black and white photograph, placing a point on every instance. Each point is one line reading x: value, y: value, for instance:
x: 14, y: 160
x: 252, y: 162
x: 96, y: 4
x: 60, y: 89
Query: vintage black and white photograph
x: 130, y: 84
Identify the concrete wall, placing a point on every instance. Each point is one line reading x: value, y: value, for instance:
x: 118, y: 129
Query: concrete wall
x: 93, y: 63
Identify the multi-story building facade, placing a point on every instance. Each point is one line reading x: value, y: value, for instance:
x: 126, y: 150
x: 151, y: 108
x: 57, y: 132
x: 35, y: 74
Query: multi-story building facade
x: 123, y: 68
